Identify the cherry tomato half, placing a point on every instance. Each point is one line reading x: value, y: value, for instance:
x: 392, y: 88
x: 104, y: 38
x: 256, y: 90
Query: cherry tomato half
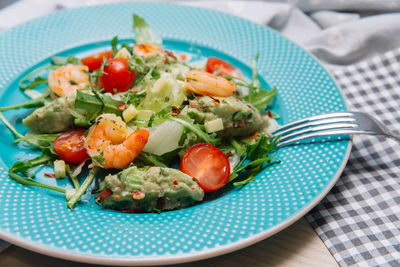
x: 69, y: 146
x: 94, y: 62
x: 215, y: 64
x: 117, y: 77
x: 207, y: 164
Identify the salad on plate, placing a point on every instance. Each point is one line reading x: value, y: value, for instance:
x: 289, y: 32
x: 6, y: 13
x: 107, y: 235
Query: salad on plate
x: 152, y: 129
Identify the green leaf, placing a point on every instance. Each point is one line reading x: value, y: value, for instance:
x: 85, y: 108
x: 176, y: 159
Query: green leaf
x: 99, y: 159
x: 88, y: 102
x: 47, y: 138
x: 36, y: 82
x: 114, y: 42
x: 144, y: 33
x: 261, y: 99
x: 103, y: 65
x: 82, y: 189
x: 262, y: 148
x: 25, y: 167
x: 33, y: 103
x: 61, y: 61
x: 26, y: 77
x: 151, y: 159
x: 195, y: 128
x: 255, y: 82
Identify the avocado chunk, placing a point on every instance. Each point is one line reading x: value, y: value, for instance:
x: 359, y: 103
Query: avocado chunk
x: 239, y: 117
x: 147, y: 190
x: 53, y: 117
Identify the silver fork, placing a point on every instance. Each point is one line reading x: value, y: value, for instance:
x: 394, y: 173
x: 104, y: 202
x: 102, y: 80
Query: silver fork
x: 330, y: 124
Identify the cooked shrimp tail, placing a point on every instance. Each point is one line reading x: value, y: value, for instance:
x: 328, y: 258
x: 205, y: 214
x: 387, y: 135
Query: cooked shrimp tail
x: 204, y: 83
x: 110, y: 138
x: 67, y: 79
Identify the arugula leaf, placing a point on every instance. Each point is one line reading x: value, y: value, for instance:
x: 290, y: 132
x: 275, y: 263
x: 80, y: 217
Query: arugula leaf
x: 196, y: 128
x: 99, y: 159
x: 36, y: 82
x: 261, y: 148
x: 114, y: 42
x: 47, y: 138
x: 25, y: 168
x: 136, y: 97
x: 144, y: 33
x: 151, y: 159
x: 33, y: 103
x: 257, y: 96
x: 257, y: 153
x: 130, y: 50
x: 261, y: 99
x: 82, y: 189
x: 97, y: 104
x: 26, y: 77
x: 103, y: 65
x: 88, y: 102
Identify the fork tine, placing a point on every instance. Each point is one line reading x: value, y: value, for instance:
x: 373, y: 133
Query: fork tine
x: 331, y: 126
x: 322, y: 133
x: 314, y: 118
x: 313, y: 123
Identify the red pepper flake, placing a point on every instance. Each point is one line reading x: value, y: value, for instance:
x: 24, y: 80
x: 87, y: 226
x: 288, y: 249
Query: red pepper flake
x: 175, y: 182
x: 248, y: 106
x: 50, y: 175
x: 116, y: 197
x: 216, y: 101
x: 239, y: 98
x: 122, y: 106
x: 128, y: 211
x: 193, y: 188
x: 162, y: 202
x: 138, y: 195
x: 175, y: 111
x: 269, y: 113
x: 229, y: 154
x: 169, y: 53
x: 165, y: 59
x: 105, y: 194
x: 241, y: 123
x: 183, y: 57
x: 192, y: 105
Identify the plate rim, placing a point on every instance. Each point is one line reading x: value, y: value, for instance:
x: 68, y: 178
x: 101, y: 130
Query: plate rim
x: 192, y: 256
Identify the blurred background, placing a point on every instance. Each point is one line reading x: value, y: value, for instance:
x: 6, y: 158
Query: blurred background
x: 338, y: 32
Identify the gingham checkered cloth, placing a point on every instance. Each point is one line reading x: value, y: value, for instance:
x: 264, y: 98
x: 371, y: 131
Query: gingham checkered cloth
x: 359, y: 220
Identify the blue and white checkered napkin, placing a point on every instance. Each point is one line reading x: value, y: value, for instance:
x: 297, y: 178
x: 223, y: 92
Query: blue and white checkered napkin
x: 359, y: 220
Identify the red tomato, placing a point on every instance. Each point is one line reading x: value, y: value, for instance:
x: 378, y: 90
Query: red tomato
x: 94, y: 62
x: 215, y: 64
x: 69, y: 146
x: 208, y: 165
x: 117, y: 76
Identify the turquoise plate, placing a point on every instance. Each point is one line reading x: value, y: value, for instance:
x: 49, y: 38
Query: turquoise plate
x: 39, y: 220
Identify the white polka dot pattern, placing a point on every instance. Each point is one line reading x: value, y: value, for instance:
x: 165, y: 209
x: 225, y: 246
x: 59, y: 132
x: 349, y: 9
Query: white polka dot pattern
x: 281, y: 192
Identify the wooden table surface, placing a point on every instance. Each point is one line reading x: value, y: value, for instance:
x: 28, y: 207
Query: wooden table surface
x: 298, y: 245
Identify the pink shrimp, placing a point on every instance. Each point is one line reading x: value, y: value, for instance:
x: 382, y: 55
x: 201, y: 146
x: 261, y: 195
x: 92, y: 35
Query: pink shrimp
x: 110, y: 138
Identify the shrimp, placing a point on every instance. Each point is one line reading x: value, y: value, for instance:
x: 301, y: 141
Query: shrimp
x: 67, y: 79
x: 142, y: 49
x: 204, y: 83
x: 110, y: 138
